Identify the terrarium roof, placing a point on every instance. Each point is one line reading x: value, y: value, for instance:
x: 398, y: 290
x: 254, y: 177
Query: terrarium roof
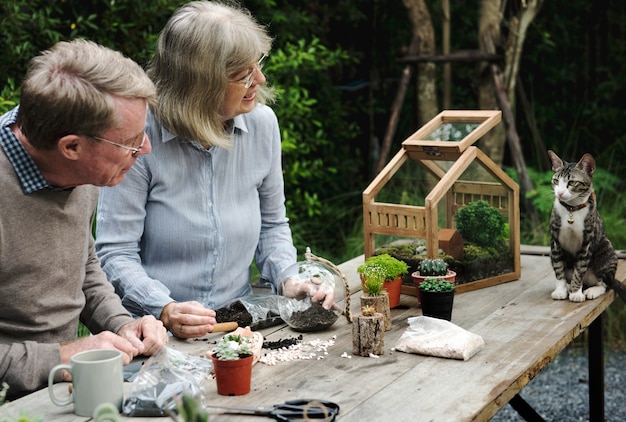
x: 450, y: 133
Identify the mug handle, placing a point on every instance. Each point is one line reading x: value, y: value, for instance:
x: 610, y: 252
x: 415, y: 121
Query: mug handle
x: 55, y: 399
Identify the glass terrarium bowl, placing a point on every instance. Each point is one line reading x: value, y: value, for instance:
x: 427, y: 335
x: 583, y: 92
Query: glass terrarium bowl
x: 300, y: 312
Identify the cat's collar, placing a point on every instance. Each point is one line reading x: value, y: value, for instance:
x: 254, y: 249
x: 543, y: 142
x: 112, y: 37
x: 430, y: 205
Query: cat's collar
x: 571, y: 208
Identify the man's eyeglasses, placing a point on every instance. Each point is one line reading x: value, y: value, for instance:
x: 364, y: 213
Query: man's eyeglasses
x: 132, y: 148
x: 247, y: 80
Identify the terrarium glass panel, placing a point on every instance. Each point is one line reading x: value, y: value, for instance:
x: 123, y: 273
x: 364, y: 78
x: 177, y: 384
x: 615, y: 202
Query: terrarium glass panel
x: 451, y: 131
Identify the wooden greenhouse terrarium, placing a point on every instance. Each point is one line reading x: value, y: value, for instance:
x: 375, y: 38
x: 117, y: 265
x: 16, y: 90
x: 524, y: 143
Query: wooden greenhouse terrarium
x: 456, y: 203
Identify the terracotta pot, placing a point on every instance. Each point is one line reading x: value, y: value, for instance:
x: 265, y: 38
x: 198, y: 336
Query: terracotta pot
x: 417, y: 279
x: 393, y: 288
x: 233, y: 377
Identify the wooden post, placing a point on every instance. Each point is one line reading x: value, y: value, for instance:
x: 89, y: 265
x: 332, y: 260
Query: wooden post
x: 368, y: 335
x: 381, y: 305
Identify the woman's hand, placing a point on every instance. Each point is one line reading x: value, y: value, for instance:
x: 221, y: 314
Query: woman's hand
x: 188, y: 319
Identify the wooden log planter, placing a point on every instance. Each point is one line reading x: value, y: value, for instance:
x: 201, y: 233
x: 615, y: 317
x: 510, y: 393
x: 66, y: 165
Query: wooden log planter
x: 368, y: 335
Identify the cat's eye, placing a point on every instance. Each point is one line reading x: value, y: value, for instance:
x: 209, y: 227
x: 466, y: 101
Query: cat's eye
x: 573, y: 183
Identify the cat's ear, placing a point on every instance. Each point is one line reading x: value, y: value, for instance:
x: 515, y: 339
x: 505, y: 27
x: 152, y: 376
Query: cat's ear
x: 557, y: 163
x: 587, y: 164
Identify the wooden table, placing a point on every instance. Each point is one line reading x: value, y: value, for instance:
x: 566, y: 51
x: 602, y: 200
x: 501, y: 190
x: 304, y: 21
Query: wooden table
x: 523, y: 328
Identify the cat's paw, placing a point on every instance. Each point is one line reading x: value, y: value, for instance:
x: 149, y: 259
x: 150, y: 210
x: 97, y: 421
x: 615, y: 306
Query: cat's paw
x: 577, y: 296
x: 594, y: 292
x: 559, y: 294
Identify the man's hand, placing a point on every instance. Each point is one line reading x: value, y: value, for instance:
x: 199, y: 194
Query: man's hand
x: 103, y: 340
x: 147, y: 334
x: 188, y: 319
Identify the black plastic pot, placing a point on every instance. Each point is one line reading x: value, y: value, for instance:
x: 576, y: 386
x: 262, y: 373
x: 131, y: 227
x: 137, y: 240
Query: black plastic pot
x: 437, y: 304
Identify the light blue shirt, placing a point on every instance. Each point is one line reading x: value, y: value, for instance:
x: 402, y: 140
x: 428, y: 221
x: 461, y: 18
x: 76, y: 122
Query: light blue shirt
x: 186, y: 222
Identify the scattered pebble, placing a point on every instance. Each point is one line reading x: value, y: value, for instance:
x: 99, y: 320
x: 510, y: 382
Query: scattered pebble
x: 298, y: 350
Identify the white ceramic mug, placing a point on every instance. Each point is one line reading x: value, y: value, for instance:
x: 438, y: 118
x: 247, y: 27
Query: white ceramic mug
x: 97, y: 377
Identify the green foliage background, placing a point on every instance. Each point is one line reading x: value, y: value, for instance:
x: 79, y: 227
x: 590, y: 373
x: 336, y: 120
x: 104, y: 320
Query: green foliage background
x: 334, y: 65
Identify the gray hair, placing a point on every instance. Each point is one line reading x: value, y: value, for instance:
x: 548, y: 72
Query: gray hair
x: 71, y: 88
x: 201, y: 46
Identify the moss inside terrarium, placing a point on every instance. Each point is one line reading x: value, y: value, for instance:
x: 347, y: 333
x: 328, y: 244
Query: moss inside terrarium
x: 478, y: 262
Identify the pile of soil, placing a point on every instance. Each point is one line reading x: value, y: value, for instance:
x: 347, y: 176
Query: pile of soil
x: 282, y: 343
x: 236, y: 312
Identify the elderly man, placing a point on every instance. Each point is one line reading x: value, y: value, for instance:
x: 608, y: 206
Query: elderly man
x: 79, y: 125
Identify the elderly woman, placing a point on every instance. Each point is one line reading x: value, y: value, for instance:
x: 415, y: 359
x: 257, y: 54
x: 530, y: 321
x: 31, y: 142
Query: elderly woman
x: 178, y: 236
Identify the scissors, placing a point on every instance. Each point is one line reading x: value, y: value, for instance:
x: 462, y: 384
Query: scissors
x: 290, y: 411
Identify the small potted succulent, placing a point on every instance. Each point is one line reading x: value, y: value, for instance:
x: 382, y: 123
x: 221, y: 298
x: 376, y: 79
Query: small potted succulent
x: 431, y: 267
x: 387, y: 268
x: 437, y: 297
x: 232, y: 364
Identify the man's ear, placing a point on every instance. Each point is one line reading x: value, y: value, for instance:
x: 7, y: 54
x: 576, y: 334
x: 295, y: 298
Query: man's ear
x: 72, y: 146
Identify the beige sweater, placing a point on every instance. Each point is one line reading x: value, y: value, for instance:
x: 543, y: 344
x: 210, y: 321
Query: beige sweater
x: 50, y: 278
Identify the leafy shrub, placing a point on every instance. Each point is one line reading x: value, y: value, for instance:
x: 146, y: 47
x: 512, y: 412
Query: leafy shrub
x: 480, y: 223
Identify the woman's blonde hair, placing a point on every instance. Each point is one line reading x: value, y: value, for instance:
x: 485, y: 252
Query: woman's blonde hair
x: 202, y: 45
x: 71, y: 89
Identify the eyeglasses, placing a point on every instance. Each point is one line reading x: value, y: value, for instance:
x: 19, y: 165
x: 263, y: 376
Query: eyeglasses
x: 132, y: 148
x: 247, y: 80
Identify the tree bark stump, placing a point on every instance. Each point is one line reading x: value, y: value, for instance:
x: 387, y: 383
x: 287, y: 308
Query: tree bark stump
x: 381, y: 305
x: 368, y: 335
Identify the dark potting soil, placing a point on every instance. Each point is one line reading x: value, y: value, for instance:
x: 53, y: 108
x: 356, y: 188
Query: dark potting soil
x: 314, y: 318
x: 236, y: 312
x: 283, y: 342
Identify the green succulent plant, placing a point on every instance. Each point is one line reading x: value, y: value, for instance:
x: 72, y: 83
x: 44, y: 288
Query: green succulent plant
x: 432, y: 284
x: 233, y: 347
x: 189, y: 409
x: 433, y: 267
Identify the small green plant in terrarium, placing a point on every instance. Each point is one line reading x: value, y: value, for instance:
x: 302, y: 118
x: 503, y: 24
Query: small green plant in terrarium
x: 433, y: 267
x: 480, y: 223
x: 233, y: 347
x: 432, y: 284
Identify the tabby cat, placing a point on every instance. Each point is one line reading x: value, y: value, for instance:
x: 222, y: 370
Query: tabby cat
x: 582, y: 255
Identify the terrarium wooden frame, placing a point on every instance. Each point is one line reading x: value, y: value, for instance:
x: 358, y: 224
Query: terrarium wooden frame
x: 410, y: 221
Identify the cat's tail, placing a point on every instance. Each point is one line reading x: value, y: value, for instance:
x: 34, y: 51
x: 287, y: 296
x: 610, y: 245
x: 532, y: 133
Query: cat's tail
x: 620, y: 289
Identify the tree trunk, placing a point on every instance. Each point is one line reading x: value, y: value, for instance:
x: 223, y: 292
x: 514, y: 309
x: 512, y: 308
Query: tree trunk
x: 515, y: 44
x: 445, y: 48
x: 422, y: 25
x: 494, y: 141
x: 396, y: 108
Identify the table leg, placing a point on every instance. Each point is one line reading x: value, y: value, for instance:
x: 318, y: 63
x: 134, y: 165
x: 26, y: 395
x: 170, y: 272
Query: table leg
x: 525, y: 410
x: 596, y: 371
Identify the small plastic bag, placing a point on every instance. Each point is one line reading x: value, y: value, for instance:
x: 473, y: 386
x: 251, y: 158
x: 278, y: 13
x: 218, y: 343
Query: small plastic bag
x: 438, y: 337
x: 255, y: 311
x: 166, y: 375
